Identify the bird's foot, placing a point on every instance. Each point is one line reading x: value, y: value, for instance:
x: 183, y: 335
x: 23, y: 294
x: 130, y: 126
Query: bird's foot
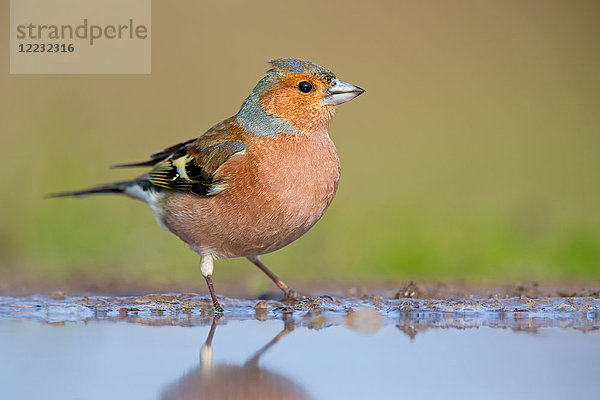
x: 218, y: 308
x: 292, y: 295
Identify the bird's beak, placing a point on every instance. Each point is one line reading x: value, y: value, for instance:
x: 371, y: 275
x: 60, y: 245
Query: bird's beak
x: 341, y: 92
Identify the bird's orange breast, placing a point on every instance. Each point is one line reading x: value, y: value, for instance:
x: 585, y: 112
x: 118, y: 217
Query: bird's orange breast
x: 274, y: 192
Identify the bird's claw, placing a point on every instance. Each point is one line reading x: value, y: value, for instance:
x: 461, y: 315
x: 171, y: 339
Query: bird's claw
x: 218, y: 308
x: 292, y: 295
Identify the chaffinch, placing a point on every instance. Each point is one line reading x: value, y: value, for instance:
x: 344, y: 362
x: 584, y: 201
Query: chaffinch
x: 254, y: 182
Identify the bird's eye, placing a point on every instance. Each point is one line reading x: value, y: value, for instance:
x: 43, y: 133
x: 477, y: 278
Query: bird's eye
x: 305, y: 86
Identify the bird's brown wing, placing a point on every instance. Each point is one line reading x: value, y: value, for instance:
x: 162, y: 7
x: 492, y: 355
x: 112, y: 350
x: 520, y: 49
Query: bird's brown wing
x: 190, y: 166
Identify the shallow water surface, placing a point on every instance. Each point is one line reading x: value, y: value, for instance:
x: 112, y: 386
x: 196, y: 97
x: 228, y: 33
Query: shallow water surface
x: 172, y: 347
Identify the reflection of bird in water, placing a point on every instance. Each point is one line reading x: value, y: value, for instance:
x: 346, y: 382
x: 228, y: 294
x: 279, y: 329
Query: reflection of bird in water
x: 247, y: 382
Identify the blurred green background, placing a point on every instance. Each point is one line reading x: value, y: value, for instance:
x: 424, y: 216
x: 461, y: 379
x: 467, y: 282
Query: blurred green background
x: 473, y: 156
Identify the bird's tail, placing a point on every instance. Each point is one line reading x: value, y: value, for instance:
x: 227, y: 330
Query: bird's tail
x: 114, y: 187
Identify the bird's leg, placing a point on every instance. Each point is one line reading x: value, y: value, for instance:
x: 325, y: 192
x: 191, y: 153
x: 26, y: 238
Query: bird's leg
x: 289, y: 293
x: 206, y: 267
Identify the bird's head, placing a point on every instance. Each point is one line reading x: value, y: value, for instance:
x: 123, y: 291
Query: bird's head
x: 294, y: 97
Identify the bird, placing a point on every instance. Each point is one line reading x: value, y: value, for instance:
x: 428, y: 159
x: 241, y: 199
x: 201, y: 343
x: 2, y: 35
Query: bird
x: 254, y: 182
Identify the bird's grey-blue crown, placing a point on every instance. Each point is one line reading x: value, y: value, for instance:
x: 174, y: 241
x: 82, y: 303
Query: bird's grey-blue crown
x: 254, y: 118
x: 295, y: 65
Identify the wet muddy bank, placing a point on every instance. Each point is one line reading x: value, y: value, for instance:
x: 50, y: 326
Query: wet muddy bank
x: 360, y: 313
